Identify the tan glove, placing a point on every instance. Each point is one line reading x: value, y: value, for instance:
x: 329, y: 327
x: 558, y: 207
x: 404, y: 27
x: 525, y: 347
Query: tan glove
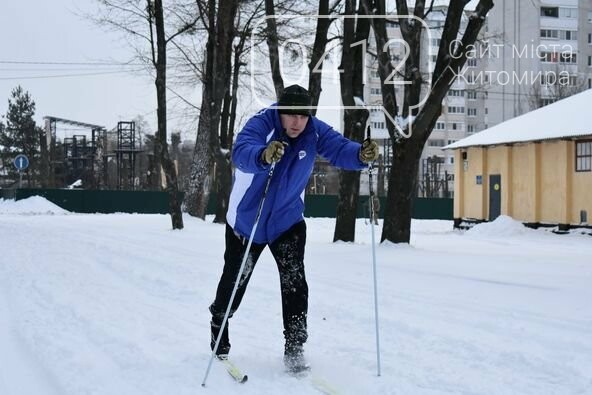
x: 273, y: 152
x: 369, y: 151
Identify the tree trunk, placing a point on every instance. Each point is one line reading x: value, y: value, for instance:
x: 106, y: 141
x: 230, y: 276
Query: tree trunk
x: 223, y: 186
x: 207, y: 145
x: 354, y: 121
x: 401, y: 192
x: 272, y: 44
x: 235, y: 74
x: 349, y: 182
x: 223, y: 163
x: 195, y: 195
x: 43, y: 159
x: 407, y: 152
x: 160, y: 82
x: 318, y: 54
x: 224, y: 119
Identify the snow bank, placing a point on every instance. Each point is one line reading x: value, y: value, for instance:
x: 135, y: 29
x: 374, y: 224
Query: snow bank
x: 501, y: 226
x: 32, y: 205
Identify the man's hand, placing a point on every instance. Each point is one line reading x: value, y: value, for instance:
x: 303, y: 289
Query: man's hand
x: 369, y: 151
x: 273, y: 152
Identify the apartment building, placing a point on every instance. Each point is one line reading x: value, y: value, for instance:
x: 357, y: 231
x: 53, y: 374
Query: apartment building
x: 543, y: 53
x: 531, y: 53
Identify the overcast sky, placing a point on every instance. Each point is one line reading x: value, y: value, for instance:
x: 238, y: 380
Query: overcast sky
x: 70, y: 67
x: 37, y: 33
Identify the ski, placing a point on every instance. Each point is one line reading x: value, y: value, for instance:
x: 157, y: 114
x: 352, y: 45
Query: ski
x: 323, y: 386
x: 233, y: 370
x: 318, y: 382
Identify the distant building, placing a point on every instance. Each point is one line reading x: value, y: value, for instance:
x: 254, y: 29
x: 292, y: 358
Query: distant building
x: 530, y: 54
x: 540, y: 52
x: 536, y: 168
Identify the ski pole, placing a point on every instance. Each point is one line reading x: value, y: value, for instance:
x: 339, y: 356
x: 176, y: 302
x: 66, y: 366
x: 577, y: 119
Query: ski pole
x: 371, y: 205
x: 240, y: 273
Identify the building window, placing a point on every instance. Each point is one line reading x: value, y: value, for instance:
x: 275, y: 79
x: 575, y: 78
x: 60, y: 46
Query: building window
x: 584, y: 155
x: 549, y: 33
x: 440, y: 126
x: 568, y: 57
x: 451, y: 160
x: 472, y: 62
x: 549, y: 57
x: 456, y: 92
x: 472, y: 112
x: 589, y: 60
x: 456, y: 110
x: 455, y: 126
x: 545, y: 101
x: 551, y: 12
x: 589, y: 38
x: 472, y: 95
x: 375, y: 91
x: 436, y: 143
x: 569, y: 35
x: 471, y: 128
x: 568, y: 12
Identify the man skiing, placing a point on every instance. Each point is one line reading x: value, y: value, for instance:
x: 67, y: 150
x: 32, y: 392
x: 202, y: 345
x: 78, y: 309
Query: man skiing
x: 289, y: 137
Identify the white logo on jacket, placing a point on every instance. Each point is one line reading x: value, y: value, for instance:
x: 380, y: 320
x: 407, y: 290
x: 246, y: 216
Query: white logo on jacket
x: 301, y: 154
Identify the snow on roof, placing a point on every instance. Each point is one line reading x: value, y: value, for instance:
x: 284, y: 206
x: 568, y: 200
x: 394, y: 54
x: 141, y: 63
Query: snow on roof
x: 569, y: 117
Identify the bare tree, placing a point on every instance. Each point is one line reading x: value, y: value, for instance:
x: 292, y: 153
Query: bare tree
x: 159, y: 62
x: 220, y: 26
x: 317, y: 47
x: 272, y: 44
x: 324, y: 21
x: 228, y: 117
x: 555, y: 85
x: 402, y: 183
x: 355, y: 37
x: 147, y: 24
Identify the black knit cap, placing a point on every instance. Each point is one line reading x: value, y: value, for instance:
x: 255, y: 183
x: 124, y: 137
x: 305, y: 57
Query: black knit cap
x: 296, y: 100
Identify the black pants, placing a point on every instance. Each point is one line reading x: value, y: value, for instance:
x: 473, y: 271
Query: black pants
x: 288, y: 251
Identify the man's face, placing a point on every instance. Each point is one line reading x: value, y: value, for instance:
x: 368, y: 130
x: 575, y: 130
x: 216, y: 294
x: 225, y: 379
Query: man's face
x: 294, y: 124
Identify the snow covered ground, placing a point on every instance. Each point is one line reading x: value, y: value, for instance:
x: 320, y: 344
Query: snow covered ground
x: 117, y: 304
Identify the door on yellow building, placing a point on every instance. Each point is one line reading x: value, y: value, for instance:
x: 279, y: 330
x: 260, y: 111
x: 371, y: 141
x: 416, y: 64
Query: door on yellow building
x: 495, y: 196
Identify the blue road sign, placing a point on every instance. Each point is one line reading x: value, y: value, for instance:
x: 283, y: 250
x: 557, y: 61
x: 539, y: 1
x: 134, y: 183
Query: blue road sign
x: 21, y: 162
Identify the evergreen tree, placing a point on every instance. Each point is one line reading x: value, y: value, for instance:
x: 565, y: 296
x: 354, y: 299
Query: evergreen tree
x: 20, y: 135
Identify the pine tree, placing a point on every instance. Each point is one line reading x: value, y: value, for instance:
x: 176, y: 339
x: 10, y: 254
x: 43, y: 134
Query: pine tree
x: 20, y: 135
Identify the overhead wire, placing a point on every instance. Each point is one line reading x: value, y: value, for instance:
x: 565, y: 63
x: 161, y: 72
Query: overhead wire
x: 67, y: 75
x: 70, y: 63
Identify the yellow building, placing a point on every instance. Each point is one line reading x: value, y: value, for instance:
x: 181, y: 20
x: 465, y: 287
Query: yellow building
x: 536, y: 168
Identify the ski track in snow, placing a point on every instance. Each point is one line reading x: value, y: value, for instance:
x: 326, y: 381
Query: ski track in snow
x: 117, y: 304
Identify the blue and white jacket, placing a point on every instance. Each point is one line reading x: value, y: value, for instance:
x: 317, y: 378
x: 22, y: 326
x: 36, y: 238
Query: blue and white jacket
x: 284, y: 203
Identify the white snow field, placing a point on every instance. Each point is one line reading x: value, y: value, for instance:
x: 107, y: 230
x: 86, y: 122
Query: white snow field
x: 118, y: 305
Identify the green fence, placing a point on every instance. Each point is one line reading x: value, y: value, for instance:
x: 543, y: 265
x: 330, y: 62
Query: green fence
x: 423, y: 208
x: 154, y: 202
x: 87, y: 201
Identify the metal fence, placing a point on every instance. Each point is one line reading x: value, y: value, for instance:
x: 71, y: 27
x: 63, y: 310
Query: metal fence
x: 155, y: 202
